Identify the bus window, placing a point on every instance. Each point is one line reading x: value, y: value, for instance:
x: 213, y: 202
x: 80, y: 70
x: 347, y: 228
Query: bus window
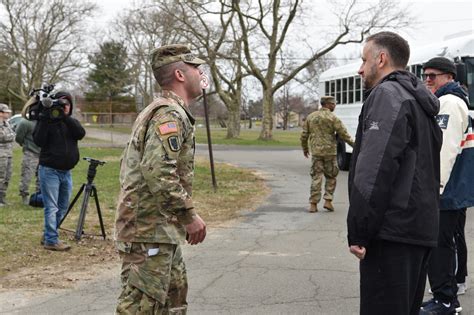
x: 344, y: 90
x: 351, y: 90
x: 333, y: 88
x: 417, y: 70
x: 326, y: 84
x: 358, y: 90
x: 469, y: 62
x: 338, y: 91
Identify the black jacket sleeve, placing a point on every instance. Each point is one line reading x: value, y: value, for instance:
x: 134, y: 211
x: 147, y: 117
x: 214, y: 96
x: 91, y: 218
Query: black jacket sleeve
x: 40, y: 134
x: 386, y: 132
x: 75, y: 128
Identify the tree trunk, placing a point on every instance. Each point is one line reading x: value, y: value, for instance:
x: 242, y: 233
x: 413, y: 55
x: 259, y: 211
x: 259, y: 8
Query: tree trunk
x: 267, y: 121
x: 233, y: 122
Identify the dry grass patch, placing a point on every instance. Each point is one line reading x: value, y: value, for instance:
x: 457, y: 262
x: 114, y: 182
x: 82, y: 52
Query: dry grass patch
x: 25, y: 264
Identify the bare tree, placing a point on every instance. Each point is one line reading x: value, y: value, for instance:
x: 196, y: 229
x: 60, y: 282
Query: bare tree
x: 209, y: 27
x: 287, y: 105
x: 144, y: 28
x: 265, y: 27
x: 42, y: 37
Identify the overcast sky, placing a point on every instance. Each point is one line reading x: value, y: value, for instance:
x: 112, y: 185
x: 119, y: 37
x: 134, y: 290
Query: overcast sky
x: 437, y: 18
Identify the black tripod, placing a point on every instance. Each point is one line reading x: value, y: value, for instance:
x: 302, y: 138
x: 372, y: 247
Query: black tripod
x: 90, y: 190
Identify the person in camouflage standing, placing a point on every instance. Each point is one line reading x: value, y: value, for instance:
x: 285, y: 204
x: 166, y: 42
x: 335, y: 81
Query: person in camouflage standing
x: 319, y: 139
x: 155, y: 213
x: 31, y: 152
x: 7, y: 135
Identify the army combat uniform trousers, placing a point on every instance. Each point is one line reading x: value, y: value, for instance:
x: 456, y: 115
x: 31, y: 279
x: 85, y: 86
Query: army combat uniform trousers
x: 153, y: 278
x: 5, y: 175
x: 29, y: 167
x: 327, y: 166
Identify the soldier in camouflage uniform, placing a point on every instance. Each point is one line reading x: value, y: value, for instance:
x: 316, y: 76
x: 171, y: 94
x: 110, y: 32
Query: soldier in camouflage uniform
x: 155, y: 213
x: 319, y: 139
x: 29, y: 165
x: 7, y: 135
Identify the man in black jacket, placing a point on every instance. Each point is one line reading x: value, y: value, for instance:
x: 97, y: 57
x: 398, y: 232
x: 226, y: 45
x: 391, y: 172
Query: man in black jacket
x: 393, y: 180
x: 57, y: 139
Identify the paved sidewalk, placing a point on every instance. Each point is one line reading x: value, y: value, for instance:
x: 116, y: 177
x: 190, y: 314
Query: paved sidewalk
x: 278, y: 259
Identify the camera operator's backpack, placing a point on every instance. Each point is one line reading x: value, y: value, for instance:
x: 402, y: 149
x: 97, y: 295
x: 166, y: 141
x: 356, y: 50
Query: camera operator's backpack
x: 36, y: 200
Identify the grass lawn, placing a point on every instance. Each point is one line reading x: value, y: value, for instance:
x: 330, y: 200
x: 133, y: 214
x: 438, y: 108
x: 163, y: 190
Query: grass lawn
x: 250, y: 137
x: 247, y: 136
x: 21, y: 226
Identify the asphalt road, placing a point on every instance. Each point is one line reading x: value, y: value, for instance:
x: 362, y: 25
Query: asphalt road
x: 278, y: 259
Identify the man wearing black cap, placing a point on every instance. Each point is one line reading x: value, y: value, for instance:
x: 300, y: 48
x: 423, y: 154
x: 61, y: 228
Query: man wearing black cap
x: 155, y: 212
x: 439, y: 74
x: 59, y: 153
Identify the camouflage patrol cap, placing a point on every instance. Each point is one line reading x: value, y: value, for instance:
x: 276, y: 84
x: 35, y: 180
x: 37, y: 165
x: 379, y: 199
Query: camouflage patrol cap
x: 4, y: 108
x: 327, y: 99
x: 172, y: 53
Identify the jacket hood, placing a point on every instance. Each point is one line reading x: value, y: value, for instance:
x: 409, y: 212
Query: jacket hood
x: 64, y: 95
x: 427, y: 100
x: 455, y: 89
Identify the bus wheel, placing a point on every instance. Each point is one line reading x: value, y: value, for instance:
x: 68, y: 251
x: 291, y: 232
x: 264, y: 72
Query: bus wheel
x: 343, y: 158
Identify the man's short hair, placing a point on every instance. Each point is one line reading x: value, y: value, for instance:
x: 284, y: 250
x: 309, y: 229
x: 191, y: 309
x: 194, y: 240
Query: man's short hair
x: 395, y: 45
x: 165, y: 59
x: 327, y: 100
x: 164, y: 75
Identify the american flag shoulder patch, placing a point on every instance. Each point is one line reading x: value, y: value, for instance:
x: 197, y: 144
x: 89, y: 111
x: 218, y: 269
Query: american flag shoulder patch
x: 167, y: 128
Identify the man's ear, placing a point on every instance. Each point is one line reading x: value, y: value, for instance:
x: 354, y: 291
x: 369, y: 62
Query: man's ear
x: 179, y: 75
x: 383, y: 59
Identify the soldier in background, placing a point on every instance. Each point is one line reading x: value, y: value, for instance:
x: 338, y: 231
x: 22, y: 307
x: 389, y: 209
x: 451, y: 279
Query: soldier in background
x: 31, y: 152
x: 155, y: 212
x: 319, y: 139
x: 7, y: 135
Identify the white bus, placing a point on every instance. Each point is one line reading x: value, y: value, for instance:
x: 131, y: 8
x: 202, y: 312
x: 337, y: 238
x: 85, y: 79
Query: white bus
x: 346, y: 86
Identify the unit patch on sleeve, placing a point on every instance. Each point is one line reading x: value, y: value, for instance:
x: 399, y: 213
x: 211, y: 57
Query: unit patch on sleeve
x: 443, y: 121
x: 168, y: 127
x: 173, y: 141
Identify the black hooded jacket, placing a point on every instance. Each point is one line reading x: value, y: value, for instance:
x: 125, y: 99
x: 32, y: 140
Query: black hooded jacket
x: 394, y: 173
x: 58, y: 141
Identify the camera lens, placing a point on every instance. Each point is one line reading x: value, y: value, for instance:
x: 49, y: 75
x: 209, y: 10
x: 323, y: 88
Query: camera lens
x: 55, y: 113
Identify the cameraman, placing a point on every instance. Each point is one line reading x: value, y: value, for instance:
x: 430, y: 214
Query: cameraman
x: 57, y: 135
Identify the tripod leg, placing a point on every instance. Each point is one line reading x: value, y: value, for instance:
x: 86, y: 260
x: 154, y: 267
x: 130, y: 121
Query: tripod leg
x: 82, y: 215
x: 72, y: 204
x: 97, y: 205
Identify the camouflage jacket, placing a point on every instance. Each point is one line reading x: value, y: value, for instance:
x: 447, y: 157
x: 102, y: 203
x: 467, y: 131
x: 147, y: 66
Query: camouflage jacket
x: 320, y: 130
x: 156, y: 174
x: 7, y: 136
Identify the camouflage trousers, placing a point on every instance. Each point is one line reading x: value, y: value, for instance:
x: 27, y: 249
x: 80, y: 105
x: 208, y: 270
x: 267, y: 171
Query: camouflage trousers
x: 153, y: 278
x: 5, y: 174
x: 29, y: 167
x: 327, y: 166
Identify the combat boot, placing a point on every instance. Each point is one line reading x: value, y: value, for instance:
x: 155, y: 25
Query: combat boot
x: 2, y: 201
x: 328, y: 205
x: 59, y: 246
x: 313, y: 207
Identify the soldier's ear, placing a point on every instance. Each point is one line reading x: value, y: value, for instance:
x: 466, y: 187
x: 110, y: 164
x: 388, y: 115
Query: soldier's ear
x: 179, y: 75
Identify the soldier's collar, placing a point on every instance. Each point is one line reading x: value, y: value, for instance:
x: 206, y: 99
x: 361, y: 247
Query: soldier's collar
x: 180, y: 101
x: 171, y: 94
x: 324, y: 108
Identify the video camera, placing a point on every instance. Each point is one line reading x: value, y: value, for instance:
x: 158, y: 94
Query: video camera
x: 47, y: 106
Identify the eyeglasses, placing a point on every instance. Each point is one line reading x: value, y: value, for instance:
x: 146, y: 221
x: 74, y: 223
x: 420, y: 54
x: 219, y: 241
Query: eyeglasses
x: 431, y: 76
